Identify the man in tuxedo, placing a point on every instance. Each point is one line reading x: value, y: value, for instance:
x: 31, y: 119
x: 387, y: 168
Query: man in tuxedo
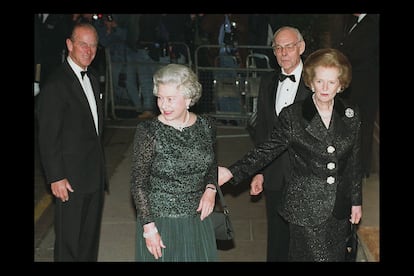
x: 277, y: 90
x: 360, y: 44
x: 70, y: 120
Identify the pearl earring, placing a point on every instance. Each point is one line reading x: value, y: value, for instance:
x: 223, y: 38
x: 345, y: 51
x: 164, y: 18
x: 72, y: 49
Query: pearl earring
x: 313, y: 89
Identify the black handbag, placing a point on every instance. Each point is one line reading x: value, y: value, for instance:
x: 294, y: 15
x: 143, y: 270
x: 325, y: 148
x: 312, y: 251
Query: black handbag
x: 223, y: 227
x: 351, y: 244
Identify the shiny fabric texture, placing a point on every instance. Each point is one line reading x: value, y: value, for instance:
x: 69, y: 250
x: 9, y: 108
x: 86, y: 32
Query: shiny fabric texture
x: 170, y: 169
x: 321, y: 243
x: 314, y: 189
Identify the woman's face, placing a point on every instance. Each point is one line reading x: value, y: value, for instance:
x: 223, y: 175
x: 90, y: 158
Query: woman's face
x: 326, y: 83
x: 171, y: 102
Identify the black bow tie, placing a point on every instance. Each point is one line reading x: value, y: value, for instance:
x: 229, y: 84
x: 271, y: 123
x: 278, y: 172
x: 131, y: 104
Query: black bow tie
x: 83, y: 73
x: 282, y: 77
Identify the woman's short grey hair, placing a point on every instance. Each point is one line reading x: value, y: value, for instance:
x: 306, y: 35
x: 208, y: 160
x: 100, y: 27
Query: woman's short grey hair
x: 182, y: 76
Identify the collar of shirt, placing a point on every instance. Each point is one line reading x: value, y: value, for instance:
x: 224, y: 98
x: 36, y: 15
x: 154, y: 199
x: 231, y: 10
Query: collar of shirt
x: 286, y: 91
x: 76, y: 68
x: 297, y: 72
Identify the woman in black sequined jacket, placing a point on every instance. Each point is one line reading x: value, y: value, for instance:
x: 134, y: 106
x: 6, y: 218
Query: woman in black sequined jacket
x: 322, y: 135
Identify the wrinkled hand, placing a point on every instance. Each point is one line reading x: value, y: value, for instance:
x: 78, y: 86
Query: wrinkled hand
x: 154, y: 245
x: 224, y: 175
x: 256, y: 185
x: 356, y: 214
x: 60, y: 189
x: 207, y: 202
x: 154, y: 242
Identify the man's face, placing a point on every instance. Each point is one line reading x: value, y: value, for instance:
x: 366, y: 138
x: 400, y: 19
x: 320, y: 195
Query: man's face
x: 288, y: 49
x: 83, y: 48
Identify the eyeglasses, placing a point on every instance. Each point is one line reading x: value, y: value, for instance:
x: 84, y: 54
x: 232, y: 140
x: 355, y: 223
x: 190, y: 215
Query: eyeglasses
x: 289, y: 48
x: 85, y: 45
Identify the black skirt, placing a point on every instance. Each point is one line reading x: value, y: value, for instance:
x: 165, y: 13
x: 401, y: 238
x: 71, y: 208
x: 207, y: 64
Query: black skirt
x: 322, y: 243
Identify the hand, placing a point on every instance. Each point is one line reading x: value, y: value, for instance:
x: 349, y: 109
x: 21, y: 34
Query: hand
x: 256, y: 185
x: 60, y: 189
x: 207, y: 202
x: 356, y: 214
x: 224, y: 175
x: 153, y: 242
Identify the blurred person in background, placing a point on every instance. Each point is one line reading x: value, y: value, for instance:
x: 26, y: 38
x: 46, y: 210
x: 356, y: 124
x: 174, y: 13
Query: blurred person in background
x: 360, y: 43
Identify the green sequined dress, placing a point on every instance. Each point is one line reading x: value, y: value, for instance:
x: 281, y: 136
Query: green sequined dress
x: 170, y: 169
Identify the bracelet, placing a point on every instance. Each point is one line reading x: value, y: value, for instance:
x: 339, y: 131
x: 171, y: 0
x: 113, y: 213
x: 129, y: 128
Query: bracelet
x: 150, y: 233
x: 211, y: 187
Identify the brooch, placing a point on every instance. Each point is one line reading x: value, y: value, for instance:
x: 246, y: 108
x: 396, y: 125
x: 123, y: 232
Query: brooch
x: 349, y: 112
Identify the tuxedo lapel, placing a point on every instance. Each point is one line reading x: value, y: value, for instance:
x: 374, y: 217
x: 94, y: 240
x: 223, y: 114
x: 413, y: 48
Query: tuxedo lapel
x: 80, y: 94
x: 77, y: 86
x: 96, y: 93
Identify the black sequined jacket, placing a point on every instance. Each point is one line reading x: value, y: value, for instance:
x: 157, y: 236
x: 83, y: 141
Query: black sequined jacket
x: 326, y: 169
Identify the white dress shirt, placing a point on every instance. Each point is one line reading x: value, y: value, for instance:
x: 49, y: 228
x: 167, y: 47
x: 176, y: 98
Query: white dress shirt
x: 87, y: 88
x: 286, y: 90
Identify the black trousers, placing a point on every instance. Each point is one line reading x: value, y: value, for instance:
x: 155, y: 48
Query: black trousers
x: 277, y: 229
x: 78, y: 226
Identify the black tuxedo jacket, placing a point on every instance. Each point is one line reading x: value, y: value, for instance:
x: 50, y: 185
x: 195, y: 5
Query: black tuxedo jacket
x: 274, y: 173
x: 68, y: 143
x: 326, y: 176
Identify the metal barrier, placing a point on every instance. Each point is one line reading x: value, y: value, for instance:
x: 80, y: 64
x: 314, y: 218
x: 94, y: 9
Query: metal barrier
x: 252, y: 81
x: 111, y: 102
x: 221, y: 95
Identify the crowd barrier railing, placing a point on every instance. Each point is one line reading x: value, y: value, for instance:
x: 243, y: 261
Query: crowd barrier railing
x: 122, y: 102
x: 230, y: 92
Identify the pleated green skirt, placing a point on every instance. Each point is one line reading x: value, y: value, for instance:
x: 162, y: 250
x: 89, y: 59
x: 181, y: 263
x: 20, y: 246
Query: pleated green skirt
x: 187, y: 239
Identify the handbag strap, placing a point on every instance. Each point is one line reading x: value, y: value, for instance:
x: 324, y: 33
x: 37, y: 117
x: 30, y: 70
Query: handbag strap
x: 354, y: 230
x: 223, y: 202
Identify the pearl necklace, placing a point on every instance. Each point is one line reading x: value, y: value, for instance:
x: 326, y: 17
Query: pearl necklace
x: 183, y: 125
